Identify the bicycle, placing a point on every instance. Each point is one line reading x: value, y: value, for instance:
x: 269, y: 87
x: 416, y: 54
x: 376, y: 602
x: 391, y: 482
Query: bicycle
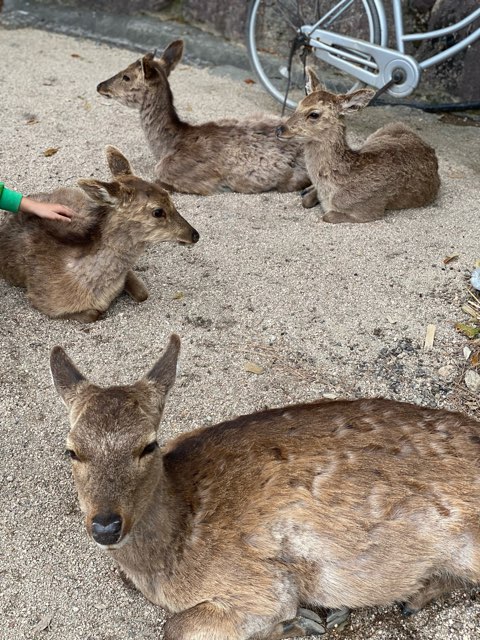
x: 349, y: 42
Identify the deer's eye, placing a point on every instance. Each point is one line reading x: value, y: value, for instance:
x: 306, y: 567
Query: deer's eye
x: 314, y: 115
x: 126, y: 78
x: 72, y: 454
x: 159, y: 213
x: 150, y: 448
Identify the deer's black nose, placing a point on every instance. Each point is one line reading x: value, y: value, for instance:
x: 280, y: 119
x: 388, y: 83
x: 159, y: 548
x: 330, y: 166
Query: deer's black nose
x: 107, y: 528
x: 195, y: 236
x: 279, y: 131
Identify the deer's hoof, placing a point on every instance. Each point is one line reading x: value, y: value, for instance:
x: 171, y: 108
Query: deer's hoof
x: 338, y: 618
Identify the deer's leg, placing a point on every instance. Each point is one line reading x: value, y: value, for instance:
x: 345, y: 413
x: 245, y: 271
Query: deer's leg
x: 309, y: 197
x: 337, y: 217
x: 434, y: 588
x: 354, y: 208
x: 205, y: 621
x: 305, y: 623
x: 89, y: 315
x: 337, y: 618
x: 208, y: 621
x: 135, y: 287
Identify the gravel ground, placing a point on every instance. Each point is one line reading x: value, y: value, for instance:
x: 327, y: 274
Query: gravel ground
x: 335, y: 309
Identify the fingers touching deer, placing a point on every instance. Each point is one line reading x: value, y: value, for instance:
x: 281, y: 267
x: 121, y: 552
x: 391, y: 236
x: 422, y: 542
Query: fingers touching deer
x: 75, y: 271
x: 227, y: 155
x: 394, y: 169
x: 250, y: 528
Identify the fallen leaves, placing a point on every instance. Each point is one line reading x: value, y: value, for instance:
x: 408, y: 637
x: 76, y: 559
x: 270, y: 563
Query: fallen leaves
x: 51, y: 151
x: 468, y: 330
x: 32, y: 119
x: 43, y: 623
x: 252, y: 367
x: 451, y: 258
x: 249, y: 81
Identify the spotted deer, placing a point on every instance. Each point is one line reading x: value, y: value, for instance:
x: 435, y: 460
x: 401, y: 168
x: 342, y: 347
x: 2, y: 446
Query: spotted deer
x: 226, y: 155
x: 393, y: 169
x: 76, y: 270
x: 274, y: 524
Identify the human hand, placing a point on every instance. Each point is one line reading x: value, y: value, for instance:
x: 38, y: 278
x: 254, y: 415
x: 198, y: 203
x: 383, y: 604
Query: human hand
x: 47, y: 210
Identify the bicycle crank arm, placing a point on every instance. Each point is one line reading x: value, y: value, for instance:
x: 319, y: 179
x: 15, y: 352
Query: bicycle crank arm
x: 370, y: 63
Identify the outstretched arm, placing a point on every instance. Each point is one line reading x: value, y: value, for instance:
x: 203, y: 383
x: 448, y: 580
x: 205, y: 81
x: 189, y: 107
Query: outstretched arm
x: 48, y: 210
x: 14, y: 201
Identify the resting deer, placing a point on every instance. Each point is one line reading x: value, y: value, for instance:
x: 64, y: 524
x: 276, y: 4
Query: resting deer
x: 250, y: 528
x: 394, y: 169
x: 76, y: 270
x: 227, y: 155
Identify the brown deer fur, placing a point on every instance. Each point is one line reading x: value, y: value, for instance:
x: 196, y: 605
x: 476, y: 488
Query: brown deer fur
x: 76, y: 270
x: 241, y: 529
x: 227, y: 155
x: 394, y: 169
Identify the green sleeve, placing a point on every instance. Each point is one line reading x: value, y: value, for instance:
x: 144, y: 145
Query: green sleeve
x: 9, y: 200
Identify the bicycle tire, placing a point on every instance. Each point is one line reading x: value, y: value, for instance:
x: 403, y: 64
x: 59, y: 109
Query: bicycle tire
x: 269, y: 21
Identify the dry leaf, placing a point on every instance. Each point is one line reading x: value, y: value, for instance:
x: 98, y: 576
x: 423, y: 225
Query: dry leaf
x: 43, y: 623
x: 32, y: 120
x: 451, y: 258
x: 475, y: 361
x: 249, y: 81
x: 87, y: 105
x: 178, y: 295
x: 251, y: 367
x: 468, y: 330
x: 51, y: 151
x: 75, y: 55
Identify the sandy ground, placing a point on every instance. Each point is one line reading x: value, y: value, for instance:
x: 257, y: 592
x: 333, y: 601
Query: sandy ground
x: 321, y: 308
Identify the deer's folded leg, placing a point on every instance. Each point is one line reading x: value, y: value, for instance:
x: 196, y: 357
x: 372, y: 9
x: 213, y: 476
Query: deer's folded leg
x: 305, y: 623
x: 209, y: 621
x: 309, y: 198
x: 135, y: 287
x: 89, y: 315
x: 205, y: 621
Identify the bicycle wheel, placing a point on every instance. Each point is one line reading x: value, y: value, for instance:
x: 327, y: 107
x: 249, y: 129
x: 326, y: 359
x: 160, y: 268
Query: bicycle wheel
x: 272, y: 29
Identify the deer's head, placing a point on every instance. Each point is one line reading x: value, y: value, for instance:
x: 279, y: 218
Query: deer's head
x: 144, y: 210
x: 321, y: 110
x: 113, y: 443
x: 147, y: 75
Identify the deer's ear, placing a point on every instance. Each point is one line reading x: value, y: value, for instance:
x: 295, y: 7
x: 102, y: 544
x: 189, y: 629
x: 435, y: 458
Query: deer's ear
x: 163, y: 373
x: 149, y: 70
x: 101, y: 192
x: 66, y: 377
x: 172, y: 56
x: 119, y: 165
x: 312, y: 83
x: 351, y: 102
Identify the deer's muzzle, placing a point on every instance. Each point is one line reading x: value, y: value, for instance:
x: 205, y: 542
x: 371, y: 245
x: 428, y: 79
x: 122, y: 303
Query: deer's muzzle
x: 107, y: 528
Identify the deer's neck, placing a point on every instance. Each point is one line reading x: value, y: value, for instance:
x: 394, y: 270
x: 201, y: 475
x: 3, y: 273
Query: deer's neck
x: 329, y: 154
x: 160, y: 122
x: 151, y: 555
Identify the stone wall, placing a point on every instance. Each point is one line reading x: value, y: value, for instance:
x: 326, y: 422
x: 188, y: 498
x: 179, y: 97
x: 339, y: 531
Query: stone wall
x: 458, y: 77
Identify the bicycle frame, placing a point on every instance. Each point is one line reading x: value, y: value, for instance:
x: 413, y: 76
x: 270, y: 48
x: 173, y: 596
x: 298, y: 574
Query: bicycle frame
x: 376, y: 65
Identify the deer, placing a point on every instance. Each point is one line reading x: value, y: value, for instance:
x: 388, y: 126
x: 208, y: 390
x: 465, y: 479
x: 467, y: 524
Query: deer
x: 214, y: 157
x: 74, y: 271
x: 393, y: 169
x: 278, y: 523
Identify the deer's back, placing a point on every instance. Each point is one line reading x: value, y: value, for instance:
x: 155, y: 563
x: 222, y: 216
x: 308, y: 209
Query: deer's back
x: 35, y: 249
x: 325, y: 489
x: 234, y: 155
